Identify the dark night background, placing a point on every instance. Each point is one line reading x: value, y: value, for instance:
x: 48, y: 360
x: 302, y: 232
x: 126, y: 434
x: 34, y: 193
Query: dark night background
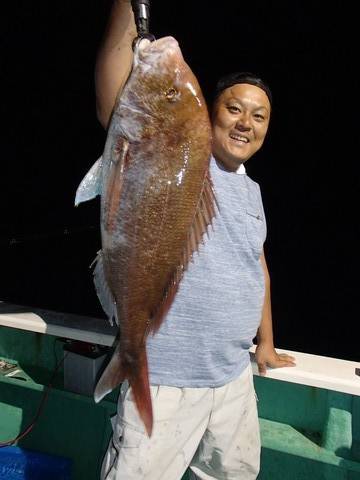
x: 307, y: 169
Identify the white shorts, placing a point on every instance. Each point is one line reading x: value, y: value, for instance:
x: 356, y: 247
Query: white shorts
x: 213, y: 431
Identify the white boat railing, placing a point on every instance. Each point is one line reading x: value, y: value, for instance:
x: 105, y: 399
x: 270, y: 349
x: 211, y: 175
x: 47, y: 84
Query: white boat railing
x: 312, y: 370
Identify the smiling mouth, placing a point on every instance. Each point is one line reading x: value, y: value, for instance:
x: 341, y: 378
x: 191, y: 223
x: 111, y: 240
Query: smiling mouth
x: 239, y: 138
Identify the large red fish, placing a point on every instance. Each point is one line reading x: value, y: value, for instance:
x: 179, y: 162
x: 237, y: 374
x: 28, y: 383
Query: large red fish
x: 156, y: 203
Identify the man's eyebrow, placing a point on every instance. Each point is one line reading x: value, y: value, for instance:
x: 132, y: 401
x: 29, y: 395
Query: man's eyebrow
x: 240, y: 101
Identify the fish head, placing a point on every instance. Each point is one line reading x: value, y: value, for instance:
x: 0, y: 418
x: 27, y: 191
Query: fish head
x: 161, y: 89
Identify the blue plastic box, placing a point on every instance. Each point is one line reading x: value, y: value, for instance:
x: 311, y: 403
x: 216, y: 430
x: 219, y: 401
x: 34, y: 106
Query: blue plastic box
x: 19, y: 464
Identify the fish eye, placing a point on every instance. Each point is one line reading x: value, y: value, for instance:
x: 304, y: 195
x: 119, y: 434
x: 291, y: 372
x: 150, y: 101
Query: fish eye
x: 171, y: 94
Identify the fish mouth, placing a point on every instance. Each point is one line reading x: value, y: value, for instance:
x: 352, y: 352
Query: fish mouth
x: 165, y: 47
x: 160, y: 45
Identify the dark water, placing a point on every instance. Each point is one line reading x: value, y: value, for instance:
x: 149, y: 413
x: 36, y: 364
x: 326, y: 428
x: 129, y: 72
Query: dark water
x: 308, y: 167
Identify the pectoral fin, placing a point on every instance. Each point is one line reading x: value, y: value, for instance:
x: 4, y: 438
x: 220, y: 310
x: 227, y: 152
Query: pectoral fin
x: 119, y: 160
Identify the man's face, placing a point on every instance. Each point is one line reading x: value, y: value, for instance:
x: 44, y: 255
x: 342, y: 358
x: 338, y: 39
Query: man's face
x: 240, y: 121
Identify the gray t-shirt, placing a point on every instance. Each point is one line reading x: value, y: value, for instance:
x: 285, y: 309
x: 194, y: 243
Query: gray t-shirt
x: 205, y: 337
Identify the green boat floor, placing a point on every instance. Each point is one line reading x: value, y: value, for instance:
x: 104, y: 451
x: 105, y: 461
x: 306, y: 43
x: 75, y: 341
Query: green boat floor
x: 307, y: 433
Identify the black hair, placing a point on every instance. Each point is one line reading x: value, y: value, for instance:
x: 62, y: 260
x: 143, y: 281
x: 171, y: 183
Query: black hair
x: 231, y: 79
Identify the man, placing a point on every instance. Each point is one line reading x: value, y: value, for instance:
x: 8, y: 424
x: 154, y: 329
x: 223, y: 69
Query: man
x: 205, y: 412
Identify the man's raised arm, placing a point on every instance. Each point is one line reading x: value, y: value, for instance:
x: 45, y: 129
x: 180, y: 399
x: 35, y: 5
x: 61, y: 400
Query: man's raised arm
x: 114, y: 59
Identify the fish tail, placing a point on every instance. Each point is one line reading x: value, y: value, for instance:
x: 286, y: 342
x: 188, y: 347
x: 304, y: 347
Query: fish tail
x: 112, y: 376
x: 141, y: 392
x: 137, y: 374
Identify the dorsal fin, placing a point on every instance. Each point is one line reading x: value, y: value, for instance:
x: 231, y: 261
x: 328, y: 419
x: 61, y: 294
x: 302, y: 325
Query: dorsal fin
x: 204, y: 214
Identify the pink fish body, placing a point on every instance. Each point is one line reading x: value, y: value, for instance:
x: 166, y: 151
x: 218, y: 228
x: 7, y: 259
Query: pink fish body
x: 156, y: 204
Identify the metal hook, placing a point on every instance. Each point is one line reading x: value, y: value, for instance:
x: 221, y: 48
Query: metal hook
x: 141, y: 10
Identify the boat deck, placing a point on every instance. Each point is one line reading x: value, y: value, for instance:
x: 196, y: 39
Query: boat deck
x: 309, y: 414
